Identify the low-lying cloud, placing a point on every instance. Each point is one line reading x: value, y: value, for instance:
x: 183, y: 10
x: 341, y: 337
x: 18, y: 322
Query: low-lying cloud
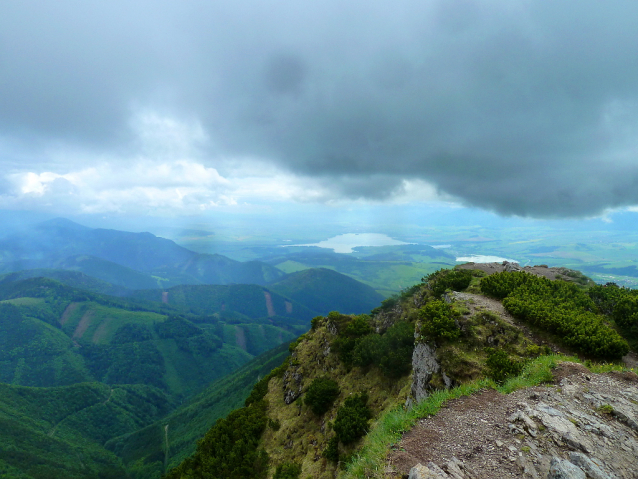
x: 522, y: 107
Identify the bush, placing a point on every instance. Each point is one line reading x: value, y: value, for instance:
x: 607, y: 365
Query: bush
x: 390, y: 352
x: 321, y: 394
x: 560, y: 308
x: 500, y: 366
x: 316, y: 322
x: 331, y: 452
x: 397, y: 347
x: 287, y: 470
x: 230, y: 447
x: 349, y: 336
x: 439, y: 321
x: 444, y: 279
x: 352, y: 419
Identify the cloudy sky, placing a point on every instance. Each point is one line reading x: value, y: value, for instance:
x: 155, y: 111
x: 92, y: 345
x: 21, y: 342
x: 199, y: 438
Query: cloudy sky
x: 519, y: 107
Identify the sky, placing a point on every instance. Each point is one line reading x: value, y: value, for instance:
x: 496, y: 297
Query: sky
x: 519, y: 108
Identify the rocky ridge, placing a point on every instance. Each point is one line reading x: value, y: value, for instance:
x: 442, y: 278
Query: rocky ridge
x: 585, y: 426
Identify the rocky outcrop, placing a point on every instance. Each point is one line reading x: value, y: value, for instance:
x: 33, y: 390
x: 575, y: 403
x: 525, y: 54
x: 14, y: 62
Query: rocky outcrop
x: 424, y: 366
x: 292, y: 384
x: 583, y: 428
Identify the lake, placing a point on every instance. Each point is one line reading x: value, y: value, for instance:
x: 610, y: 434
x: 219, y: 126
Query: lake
x: 347, y: 242
x: 479, y: 258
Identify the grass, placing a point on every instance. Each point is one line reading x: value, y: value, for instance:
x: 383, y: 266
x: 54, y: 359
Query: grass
x: 371, y: 459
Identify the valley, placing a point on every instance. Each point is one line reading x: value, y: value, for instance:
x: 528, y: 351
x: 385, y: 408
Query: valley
x: 139, y: 355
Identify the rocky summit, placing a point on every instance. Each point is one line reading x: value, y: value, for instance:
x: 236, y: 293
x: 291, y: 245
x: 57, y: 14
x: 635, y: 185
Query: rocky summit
x: 584, y: 426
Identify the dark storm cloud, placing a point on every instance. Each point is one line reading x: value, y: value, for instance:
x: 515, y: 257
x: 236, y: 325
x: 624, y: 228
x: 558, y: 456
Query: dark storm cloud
x: 521, y: 107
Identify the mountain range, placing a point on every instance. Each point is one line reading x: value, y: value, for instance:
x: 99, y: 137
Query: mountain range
x: 123, y: 335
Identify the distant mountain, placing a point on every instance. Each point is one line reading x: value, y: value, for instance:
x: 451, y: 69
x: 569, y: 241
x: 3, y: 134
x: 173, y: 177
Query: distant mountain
x: 325, y: 290
x: 75, y: 279
x: 388, y: 269
x: 108, y: 271
x: 54, y: 335
x: 247, y: 300
x: 150, y: 261
x: 217, y: 269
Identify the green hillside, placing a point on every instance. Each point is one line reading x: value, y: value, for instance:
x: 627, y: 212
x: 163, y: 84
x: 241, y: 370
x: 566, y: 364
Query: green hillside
x: 131, y: 361
x: 144, y: 452
x: 55, y: 335
x: 60, y: 431
x: 387, y: 269
x: 74, y: 279
x: 336, y: 411
x: 325, y: 290
x: 108, y: 271
x: 248, y: 300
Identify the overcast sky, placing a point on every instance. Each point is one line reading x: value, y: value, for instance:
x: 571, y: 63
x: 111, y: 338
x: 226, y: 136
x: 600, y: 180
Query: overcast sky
x: 520, y: 107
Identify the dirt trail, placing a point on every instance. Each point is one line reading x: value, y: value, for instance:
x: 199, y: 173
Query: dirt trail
x: 493, y: 436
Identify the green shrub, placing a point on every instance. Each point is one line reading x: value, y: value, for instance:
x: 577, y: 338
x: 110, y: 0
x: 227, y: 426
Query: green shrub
x: 321, y: 394
x: 439, y: 321
x: 352, y: 419
x: 331, y: 452
x: 287, y: 470
x: 500, y: 366
x: 316, y: 322
x: 274, y: 424
x: 293, y: 345
x: 229, y: 448
x: 444, y: 279
x: 349, y: 336
x: 397, y: 346
x: 560, y: 308
x: 391, y: 352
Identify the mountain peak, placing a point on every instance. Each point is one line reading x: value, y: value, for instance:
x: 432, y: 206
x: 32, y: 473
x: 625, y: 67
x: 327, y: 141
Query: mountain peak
x: 62, y: 223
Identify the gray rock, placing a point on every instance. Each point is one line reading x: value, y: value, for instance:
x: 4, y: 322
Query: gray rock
x: 437, y: 470
x: 423, y: 472
x: 528, y: 424
x: 529, y: 471
x: 562, y: 469
x: 507, y: 266
x: 625, y: 415
x: 292, y: 385
x: 594, y: 470
x: 424, y: 366
x: 563, y: 429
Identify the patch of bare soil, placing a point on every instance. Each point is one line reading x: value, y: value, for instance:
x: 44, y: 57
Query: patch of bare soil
x: 540, y: 270
x: 240, y: 337
x: 68, y: 312
x: 83, y: 325
x: 101, y: 331
x: 588, y: 419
